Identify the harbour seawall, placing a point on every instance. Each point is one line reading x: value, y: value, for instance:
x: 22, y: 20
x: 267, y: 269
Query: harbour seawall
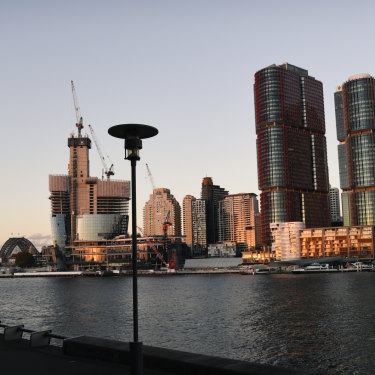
x: 92, y: 355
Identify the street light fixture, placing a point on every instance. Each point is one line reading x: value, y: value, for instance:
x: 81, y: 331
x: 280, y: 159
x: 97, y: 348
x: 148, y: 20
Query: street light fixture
x: 133, y: 135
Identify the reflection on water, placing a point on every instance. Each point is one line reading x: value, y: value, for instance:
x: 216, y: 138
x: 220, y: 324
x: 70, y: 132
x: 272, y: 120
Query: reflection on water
x: 321, y: 322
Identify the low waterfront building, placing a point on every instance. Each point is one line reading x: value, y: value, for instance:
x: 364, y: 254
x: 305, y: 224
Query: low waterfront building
x: 222, y: 250
x: 116, y: 253
x: 286, y: 240
x: 346, y: 242
x: 256, y: 256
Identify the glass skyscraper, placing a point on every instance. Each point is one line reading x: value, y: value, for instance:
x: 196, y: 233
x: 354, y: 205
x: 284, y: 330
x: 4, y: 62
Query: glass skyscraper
x: 291, y: 148
x: 355, y: 124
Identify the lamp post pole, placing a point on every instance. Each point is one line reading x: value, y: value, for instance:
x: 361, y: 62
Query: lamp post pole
x: 134, y: 242
x: 133, y: 135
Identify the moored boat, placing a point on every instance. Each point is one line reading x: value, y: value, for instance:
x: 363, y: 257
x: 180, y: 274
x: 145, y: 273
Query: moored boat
x: 315, y: 268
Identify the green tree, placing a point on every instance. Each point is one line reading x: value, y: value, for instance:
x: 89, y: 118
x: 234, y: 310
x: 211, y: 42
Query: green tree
x: 24, y: 259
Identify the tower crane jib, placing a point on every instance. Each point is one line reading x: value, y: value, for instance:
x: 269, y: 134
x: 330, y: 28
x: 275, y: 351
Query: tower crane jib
x: 79, y: 123
x: 108, y: 171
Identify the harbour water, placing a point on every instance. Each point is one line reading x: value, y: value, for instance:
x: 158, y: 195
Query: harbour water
x: 322, y: 321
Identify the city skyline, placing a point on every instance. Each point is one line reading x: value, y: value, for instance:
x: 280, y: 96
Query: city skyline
x: 188, y: 70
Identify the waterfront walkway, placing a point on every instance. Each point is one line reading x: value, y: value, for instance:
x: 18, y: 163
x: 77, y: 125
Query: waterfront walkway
x: 16, y: 357
x: 94, y: 356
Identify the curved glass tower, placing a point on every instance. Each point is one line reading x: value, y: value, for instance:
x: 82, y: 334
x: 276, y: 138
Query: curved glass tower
x: 291, y: 147
x: 355, y: 124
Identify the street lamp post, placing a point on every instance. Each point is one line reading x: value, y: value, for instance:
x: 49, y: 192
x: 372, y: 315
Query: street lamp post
x: 133, y: 135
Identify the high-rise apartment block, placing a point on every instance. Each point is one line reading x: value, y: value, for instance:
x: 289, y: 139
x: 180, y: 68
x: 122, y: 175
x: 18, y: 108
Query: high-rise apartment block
x: 334, y: 206
x: 286, y: 240
x: 239, y: 219
x: 212, y: 194
x: 187, y: 215
x: 291, y: 147
x: 84, y: 207
x: 194, y: 222
x: 162, y: 206
x: 355, y: 125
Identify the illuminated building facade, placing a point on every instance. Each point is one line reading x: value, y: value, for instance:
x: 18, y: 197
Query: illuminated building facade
x: 161, y: 206
x: 286, y: 240
x: 345, y: 242
x: 291, y: 148
x: 355, y: 125
x: 187, y: 214
x: 238, y: 219
x: 116, y: 253
x: 194, y: 223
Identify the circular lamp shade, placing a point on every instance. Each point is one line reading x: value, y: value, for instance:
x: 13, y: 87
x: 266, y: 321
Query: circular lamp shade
x: 126, y: 131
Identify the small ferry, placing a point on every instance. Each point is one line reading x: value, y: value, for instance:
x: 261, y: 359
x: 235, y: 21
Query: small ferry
x: 315, y: 268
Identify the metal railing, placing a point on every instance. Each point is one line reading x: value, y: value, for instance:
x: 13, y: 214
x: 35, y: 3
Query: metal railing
x: 36, y: 338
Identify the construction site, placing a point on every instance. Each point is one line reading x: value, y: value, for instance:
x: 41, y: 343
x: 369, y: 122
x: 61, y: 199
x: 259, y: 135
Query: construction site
x: 89, y: 216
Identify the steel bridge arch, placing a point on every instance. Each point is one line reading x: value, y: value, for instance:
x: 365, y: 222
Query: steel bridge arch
x: 23, y: 243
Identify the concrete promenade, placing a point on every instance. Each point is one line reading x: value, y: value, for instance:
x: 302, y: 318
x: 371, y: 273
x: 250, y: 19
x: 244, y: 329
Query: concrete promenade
x: 91, y: 355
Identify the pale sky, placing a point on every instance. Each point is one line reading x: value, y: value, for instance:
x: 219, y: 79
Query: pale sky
x: 185, y: 67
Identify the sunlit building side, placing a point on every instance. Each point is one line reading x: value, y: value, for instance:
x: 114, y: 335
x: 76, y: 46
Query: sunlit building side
x: 355, y: 125
x: 286, y: 240
x: 162, y: 206
x: 291, y: 148
x: 238, y: 220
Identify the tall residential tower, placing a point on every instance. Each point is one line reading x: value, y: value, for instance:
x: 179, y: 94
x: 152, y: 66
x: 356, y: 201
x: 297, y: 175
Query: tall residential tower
x: 212, y: 194
x: 291, y: 147
x: 239, y: 220
x: 161, y: 206
x: 355, y: 125
x: 194, y: 223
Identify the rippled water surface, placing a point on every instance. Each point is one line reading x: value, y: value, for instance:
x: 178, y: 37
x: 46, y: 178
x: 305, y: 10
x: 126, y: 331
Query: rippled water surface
x: 324, y: 322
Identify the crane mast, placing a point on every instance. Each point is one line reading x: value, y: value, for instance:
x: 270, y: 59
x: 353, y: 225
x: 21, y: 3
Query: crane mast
x: 150, y: 177
x: 108, y: 171
x: 79, y: 123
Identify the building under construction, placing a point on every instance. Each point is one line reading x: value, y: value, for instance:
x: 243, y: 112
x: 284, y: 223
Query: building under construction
x: 86, y: 208
x: 89, y: 218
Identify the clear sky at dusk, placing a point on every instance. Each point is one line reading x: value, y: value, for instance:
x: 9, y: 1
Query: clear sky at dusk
x: 185, y: 67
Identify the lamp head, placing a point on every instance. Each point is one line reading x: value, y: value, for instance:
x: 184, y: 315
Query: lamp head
x: 133, y: 135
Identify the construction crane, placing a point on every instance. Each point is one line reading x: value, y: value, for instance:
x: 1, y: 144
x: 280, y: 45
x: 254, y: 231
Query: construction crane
x: 79, y: 123
x: 166, y: 224
x: 108, y: 171
x: 159, y: 255
x: 150, y: 177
